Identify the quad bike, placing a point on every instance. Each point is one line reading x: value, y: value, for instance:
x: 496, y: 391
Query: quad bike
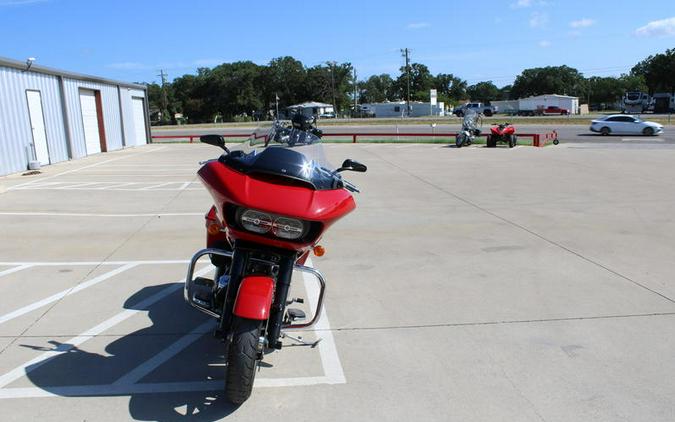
x: 502, y: 133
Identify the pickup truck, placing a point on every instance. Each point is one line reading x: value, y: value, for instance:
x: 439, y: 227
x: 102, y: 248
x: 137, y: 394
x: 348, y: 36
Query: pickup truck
x: 486, y: 110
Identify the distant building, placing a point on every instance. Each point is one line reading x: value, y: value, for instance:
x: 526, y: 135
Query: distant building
x: 398, y: 109
x: 312, y: 108
x: 51, y: 115
x: 548, y: 100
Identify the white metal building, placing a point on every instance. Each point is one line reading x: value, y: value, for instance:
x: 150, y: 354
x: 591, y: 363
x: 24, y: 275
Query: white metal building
x: 398, y: 109
x: 51, y: 115
x: 543, y: 101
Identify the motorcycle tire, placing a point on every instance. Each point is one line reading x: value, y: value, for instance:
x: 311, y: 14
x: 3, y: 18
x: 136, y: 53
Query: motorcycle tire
x: 512, y: 141
x: 242, y: 359
x: 491, y: 142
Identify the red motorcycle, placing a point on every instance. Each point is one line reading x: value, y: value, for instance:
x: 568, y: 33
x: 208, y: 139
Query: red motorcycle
x: 502, y: 133
x: 275, y: 196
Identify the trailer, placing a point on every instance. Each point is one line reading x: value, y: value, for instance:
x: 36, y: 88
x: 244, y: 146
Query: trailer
x: 635, y: 102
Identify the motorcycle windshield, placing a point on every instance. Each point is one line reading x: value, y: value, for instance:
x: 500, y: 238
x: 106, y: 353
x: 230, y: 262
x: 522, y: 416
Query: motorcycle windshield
x: 286, y: 152
x: 470, y: 120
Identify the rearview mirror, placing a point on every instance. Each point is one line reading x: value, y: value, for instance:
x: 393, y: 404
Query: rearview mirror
x: 352, y: 165
x: 215, y: 140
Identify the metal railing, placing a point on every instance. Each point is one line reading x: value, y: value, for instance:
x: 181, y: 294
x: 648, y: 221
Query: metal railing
x: 538, y: 139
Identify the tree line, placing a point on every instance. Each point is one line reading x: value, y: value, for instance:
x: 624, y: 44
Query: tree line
x: 244, y: 90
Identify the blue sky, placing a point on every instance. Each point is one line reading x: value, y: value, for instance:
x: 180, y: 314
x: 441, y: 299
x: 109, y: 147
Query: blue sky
x: 474, y: 39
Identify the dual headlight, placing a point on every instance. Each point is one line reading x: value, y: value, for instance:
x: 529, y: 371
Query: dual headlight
x: 262, y: 223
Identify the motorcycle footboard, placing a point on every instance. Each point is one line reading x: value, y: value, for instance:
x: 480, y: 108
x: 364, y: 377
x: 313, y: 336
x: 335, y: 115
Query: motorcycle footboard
x: 193, y: 287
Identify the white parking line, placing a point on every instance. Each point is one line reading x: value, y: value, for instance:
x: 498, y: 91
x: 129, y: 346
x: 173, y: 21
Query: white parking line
x: 40, y: 360
x: 85, y: 167
x: 330, y: 360
x: 95, y: 263
x: 127, y: 384
x: 15, y: 269
x: 76, y: 214
x: 150, y: 365
x: 112, y: 186
x: 67, y: 292
x: 642, y: 139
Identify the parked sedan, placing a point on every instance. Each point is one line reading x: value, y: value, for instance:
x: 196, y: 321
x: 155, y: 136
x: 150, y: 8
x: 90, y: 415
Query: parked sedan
x: 624, y: 124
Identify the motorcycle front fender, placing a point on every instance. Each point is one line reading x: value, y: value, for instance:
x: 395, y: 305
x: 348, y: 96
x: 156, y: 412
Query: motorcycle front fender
x: 254, y: 298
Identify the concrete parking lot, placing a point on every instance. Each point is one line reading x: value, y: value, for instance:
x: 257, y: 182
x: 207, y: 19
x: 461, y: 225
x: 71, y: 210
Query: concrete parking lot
x: 474, y: 284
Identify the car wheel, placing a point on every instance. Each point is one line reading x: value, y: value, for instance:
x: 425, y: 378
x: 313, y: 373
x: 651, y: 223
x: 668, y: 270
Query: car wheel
x: 605, y: 131
x: 648, y: 131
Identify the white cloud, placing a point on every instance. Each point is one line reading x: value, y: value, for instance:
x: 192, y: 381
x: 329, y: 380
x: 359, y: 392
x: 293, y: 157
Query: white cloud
x: 538, y: 19
x: 20, y: 2
x: 582, y: 23
x: 521, y: 4
x: 544, y: 44
x: 418, y: 25
x: 660, y: 28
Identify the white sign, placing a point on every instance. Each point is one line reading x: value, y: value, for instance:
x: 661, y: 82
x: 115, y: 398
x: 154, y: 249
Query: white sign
x: 433, y: 95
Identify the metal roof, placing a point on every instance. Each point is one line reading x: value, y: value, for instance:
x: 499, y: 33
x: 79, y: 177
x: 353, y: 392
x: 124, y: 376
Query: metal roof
x: 16, y: 64
x: 310, y: 104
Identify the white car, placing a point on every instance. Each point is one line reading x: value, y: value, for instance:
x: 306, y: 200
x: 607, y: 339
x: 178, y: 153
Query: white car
x: 625, y: 124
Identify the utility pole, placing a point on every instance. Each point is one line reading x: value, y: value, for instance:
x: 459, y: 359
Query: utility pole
x: 332, y: 83
x: 406, y: 53
x: 356, y: 84
x: 164, y: 99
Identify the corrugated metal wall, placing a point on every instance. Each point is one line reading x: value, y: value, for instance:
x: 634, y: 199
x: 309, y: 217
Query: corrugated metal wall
x: 15, y: 128
x: 111, y: 115
x: 128, y: 114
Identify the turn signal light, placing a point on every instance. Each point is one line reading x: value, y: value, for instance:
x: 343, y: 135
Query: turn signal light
x: 319, y: 250
x: 213, y: 228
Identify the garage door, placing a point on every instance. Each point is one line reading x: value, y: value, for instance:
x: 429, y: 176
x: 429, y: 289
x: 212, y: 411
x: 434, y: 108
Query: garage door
x: 139, y: 121
x: 92, y: 136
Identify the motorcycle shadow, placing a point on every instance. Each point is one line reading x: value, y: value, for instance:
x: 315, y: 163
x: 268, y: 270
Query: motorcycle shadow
x: 143, y: 362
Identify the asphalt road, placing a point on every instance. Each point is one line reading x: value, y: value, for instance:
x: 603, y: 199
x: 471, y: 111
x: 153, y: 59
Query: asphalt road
x: 566, y: 133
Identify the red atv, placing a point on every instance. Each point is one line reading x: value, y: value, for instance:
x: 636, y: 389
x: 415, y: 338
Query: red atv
x: 503, y: 132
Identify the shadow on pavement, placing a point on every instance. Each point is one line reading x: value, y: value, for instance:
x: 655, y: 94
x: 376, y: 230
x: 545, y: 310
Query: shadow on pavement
x: 82, y: 373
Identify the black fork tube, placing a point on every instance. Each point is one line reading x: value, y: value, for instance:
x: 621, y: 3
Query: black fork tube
x: 282, y: 287
x: 236, y: 272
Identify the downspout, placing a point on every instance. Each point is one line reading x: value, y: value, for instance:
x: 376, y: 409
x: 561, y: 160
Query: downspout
x: 119, y: 98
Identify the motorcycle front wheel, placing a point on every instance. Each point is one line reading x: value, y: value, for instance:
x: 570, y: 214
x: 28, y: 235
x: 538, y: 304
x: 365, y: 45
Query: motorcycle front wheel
x: 242, y: 358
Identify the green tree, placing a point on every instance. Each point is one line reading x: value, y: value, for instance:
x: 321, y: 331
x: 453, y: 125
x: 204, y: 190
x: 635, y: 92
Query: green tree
x: 549, y: 80
x: 658, y: 72
x: 376, y: 89
x: 483, y: 92
x: 421, y: 81
x: 450, y: 87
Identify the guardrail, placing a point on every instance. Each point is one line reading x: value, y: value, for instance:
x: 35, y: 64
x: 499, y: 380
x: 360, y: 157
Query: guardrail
x: 538, y: 139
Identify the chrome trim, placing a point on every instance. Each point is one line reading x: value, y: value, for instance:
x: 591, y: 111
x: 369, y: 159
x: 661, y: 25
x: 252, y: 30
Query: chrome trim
x: 190, y: 274
x: 213, y: 251
x: 319, y: 304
